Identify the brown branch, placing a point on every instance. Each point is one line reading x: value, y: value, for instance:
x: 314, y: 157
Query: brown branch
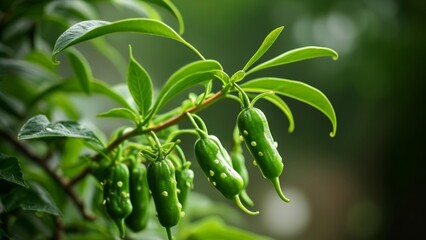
x: 137, y: 131
x: 54, y: 175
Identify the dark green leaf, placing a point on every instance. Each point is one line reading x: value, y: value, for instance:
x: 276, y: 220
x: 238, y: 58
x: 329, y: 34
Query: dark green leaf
x: 120, y: 113
x: 169, y: 6
x: 140, y: 85
x: 87, y: 30
x: 266, y: 44
x: 40, y: 127
x: 35, y: 198
x: 80, y: 9
x: 297, y: 90
x: 81, y: 69
x: 192, y: 74
x: 279, y: 102
x: 32, y: 73
x: 11, y: 171
x: 296, y: 55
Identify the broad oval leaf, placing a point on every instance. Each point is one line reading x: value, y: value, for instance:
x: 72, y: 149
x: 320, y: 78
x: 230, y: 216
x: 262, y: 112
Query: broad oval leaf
x: 266, y: 44
x: 282, y: 105
x: 40, y: 127
x: 87, y: 30
x: 35, y: 198
x: 10, y: 170
x: 295, y: 55
x: 81, y: 69
x: 189, y: 75
x: 140, y: 85
x: 120, y: 113
x: 297, y: 90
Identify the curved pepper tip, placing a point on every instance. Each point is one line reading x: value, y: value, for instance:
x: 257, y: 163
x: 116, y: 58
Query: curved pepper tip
x: 277, y: 186
x: 242, y: 207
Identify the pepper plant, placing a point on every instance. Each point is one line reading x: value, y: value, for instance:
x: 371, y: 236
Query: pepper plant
x: 113, y: 180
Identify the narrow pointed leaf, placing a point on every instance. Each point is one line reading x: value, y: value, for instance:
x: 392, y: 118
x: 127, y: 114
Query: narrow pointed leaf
x: 266, y: 44
x: 10, y: 170
x: 140, y: 85
x: 296, y: 55
x: 296, y: 90
x: 40, y: 127
x: 120, y: 113
x: 81, y: 69
x: 169, y: 6
x: 87, y: 30
x: 188, y: 76
x: 282, y: 105
x: 104, y: 89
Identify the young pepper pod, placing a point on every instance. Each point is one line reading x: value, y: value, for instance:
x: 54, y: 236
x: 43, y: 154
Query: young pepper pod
x: 254, y: 128
x: 162, y: 184
x: 216, y: 163
x: 185, y: 182
x: 239, y: 164
x: 139, y: 196
x: 116, y: 195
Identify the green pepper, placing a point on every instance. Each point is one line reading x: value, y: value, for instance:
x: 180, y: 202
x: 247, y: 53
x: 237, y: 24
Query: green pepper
x: 116, y: 195
x: 238, y: 163
x: 162, y: 183
x: 254, y: 128
x: 216, y: 163
x: 139, y: 196
x: 185, y: 182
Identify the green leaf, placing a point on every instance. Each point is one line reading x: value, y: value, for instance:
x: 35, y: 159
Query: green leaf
x: 87, y: 30
x: 36, y: 198
x: 81, y: 69
x: 279, y: 102
x: 140, y: 84
x: 120, y: 113
x: 297, y: 90
x: 296, y: 55
x: 189, y: 75
x: 104, y: 89
x: 266, y: 44
x: 11, y: 171
x: 169, y: 6
x: 216, y: 228
x: 40, y: 127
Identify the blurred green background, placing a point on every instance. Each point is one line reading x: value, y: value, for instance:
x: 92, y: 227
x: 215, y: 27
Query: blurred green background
x: 365, y: 183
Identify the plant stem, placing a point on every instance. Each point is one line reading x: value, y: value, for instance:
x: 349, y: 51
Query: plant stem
x: 156, y: 128
x: 60, y: 180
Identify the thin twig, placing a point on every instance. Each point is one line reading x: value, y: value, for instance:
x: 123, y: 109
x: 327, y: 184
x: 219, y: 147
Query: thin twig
x: 54, y: 175
x: 137, y: 131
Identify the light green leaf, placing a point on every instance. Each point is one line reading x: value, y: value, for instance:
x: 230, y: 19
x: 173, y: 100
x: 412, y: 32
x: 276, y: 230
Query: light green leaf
x: 216, y: 228
x: 81, y: 69
x: 140, y: 85
x: 189, y: 75
x: 297, y: 90
x: 296, y: 55
x: 169, y: 6
x: 266, y: 44
x: 120, y: 113
x: 87, y: 30
x: 40, y: 127
x: 36, y: 198
x: 279, y: 102
x: 104, y: 89
x: 11, y: 171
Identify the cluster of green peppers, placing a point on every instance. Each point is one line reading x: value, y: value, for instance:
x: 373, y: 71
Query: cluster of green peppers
x: 128, y: 188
